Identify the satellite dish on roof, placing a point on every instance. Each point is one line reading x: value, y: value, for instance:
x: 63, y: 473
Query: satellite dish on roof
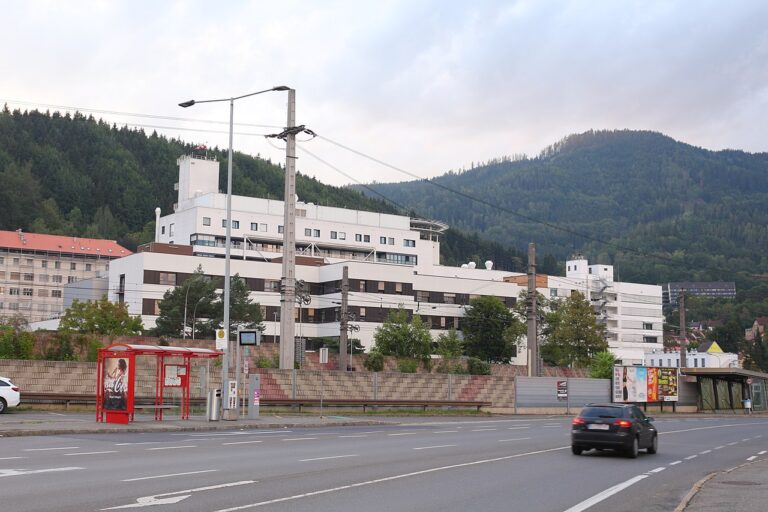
x: 472, y: 264
x: 464, y: 265
x: 488, y: 265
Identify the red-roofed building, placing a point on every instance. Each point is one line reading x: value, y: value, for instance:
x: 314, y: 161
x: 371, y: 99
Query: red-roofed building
x: 34, y: 269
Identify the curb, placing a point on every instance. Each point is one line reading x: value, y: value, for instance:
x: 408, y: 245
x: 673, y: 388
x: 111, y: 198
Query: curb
x: 700, y: 484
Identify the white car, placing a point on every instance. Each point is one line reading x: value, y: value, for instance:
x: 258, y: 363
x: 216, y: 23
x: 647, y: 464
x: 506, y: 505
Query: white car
x: 9, y: 394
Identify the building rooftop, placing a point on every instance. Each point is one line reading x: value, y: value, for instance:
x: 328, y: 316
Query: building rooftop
x: 64, y: 244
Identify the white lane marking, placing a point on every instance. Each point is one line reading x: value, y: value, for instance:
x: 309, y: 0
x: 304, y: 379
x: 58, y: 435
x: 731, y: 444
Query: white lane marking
x: 675, y: 463
x: 241, y: 442
x: 657, y: 470
x: 148, y: 501
x: 437, y: 446
x: 733, y: 443
x: 720, y: 447
x: 518, y: 428
x: 745, y: 440
x: 449, y: 431
x: 597, y: 498
x: 552, y: 426
x: 691, y: 457
x: 17, y: 472
x: 171, y: 447
x: 730, y: 425
x: 387, y: 479
x: 762, y: 452
x: 90, y: 453
x: 327, y: 458
x: 752, y: 457
x: 483, y: 429
x: 11, y: 458
x: 47, y: 449
x: 56, y: 414
x: 350, y: 437
x: 169, y: 475
x: 404, y: 434
x: 514, y: 439
x: 300, y: 439
x: 373, y: 432
x: 705, y: 452
x: 132, y: 444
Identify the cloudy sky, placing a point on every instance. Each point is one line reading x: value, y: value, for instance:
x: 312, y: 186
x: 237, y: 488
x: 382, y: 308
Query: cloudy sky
x: 426, y: 86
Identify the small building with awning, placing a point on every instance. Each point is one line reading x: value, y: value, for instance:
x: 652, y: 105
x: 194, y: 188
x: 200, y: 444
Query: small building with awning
x: 723, y: 389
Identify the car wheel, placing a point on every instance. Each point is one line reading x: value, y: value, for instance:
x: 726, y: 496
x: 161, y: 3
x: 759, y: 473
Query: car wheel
x: 654, y: 445
x: 577, y: 450
x: 2, y: 405
x: 634, y: 450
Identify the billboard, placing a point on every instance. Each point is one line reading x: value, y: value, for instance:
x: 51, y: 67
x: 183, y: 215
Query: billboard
x: 116, y: 383
x: 642, y: 384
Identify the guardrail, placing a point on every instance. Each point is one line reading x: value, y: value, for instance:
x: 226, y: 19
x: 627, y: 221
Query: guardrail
x: 86, y: 399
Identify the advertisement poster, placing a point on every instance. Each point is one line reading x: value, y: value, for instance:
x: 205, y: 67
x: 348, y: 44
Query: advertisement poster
x: 641, y: 384
x: 562, y: 390
x: 172, y: 376
x: 668, y: 384
x: 116, y: 384
x: 653, y: 384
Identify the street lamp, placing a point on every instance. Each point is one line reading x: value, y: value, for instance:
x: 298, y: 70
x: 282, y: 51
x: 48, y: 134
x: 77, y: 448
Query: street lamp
x: 186, y: 104
x: 194, y: 315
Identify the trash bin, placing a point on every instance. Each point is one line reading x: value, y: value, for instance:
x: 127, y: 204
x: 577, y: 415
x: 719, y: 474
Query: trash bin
x: 747, y: 406
x: 213, y: 405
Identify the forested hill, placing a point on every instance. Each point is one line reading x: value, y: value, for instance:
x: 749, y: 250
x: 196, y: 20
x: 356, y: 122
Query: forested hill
x: 704, y: 213
x: 78, y: 176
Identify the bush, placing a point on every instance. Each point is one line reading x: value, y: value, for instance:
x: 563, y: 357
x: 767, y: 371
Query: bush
x: 459, y: 369
x: 266, y: 362
x: 477, y: 367
x: 15, y: 344
x: 374, y: 362
x: 407, y: 365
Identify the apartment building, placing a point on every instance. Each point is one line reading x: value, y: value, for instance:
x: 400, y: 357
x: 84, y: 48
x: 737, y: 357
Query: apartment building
x: 392, y: 261
x: 35, y: 268
x: 713, y: 290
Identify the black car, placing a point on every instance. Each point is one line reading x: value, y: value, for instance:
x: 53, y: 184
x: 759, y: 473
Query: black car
x: 621, y: 427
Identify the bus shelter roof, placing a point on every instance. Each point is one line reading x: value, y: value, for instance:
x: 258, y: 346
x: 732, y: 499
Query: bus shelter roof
x: 155, y: 350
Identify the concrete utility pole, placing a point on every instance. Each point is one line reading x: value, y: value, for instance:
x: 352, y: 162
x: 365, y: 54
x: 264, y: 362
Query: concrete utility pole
x: 683, y: 335
x: 343, y: 319
x: 533, y: 339
x: 288, y: 285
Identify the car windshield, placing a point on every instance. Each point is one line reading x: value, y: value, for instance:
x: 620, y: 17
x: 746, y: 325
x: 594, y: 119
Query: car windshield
x: 602, y: 412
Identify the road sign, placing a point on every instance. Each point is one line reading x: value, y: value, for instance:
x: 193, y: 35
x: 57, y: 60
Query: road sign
x: 249, y: 337
x: 221, y: 339
x: 562, y: 390
x: 749, y: 380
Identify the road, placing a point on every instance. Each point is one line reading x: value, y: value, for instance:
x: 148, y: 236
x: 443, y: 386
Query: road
x: 441, y: 465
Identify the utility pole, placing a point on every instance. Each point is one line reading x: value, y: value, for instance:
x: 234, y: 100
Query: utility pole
x: 288, y: 285
x: 343, y: 319
x: 683, y: 335
x: 533, y: 339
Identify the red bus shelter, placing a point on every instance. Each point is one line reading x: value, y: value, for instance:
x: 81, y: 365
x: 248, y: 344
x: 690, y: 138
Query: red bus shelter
x: 116, y: 371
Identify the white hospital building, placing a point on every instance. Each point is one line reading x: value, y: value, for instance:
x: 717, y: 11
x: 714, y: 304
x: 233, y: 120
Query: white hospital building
x: 392, y: 260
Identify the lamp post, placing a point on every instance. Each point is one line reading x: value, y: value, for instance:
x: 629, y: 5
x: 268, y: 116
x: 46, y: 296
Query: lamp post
x: 184, y: 328
x: 186, y: 104
x: 194, y: 315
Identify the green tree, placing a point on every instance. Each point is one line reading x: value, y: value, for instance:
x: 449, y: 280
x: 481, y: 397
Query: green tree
x: 401, y: 338
x: 602, y: 365
x: 100, y: 317
x: 491, y: 330
x: 573, y: 335
x: 243, y: 312
x: 15, y: 343
x: 197, y: 296
x: 450, y: 345
x: 756, y: 354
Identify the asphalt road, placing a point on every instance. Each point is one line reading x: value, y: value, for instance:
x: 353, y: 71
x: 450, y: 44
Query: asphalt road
x: 445, y: 465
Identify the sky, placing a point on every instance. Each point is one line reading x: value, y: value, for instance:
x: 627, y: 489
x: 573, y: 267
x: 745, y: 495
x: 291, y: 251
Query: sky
x: 425, y: 86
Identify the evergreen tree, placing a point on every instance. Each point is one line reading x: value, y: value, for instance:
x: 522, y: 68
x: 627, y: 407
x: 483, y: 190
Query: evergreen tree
x: 491, y: 331
x: 574, y: 337
x: 402, y: 338
x: 197, y: 296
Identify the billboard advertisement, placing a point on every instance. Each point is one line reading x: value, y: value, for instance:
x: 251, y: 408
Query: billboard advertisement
x: 116, y: 383
x: 642, y: 384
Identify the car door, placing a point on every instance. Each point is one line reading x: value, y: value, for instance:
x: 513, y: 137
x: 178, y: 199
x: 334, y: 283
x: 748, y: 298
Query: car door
x: 643, y: 426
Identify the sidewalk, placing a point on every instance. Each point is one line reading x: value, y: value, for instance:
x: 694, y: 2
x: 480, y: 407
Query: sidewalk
x: 741, y: 489
x: 39, y: 423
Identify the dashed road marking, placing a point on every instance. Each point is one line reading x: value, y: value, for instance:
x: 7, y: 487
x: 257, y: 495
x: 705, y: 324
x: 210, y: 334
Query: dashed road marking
x: 514, y: 439
x: 11, y: 458
x: 705, y: 452
x: 719, y: 447
x: 752, y: 457
x: 733, y: 443
x: 300, y: 439
x: 168, y: 475
x: 762, y: 452
x: 328, y: 458
x: 47, y: 449
x: 446, y: 431
x: 483, y: 429
x: 691, y: 457
x: 657, y: 470
x: 171, y: 447
x: 675, y: 463
x: 91, y: 453
x: 349, y: 437
x: 241, y: 442
x: 404, y: 434
x: 433, y: 447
